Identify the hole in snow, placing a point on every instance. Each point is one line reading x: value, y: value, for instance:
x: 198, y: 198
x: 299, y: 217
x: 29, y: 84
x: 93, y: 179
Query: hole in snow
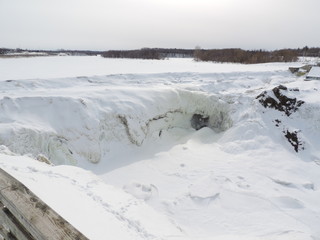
x: 199, y: 121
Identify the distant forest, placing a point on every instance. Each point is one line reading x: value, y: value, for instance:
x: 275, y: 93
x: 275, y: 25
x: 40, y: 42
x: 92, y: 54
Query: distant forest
x: 246, y: 56
x: 234, y: 55
x: 150, y: 53
x: 17, y: 51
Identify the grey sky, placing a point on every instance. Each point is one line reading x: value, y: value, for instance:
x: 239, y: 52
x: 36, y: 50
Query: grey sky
x: 128, y: 24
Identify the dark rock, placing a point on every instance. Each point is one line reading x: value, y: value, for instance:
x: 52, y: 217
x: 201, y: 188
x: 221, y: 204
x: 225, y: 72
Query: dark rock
x: 300, y: 71
x: 199, y: 121
x: 294, y: 69
x: 278, y: 122
x: 279, y: 101
x: 294, y: 90
x: 294, y: 140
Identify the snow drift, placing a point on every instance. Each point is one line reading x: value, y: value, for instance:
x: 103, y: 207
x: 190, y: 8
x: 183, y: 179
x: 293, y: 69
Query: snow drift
x: 84, y: 126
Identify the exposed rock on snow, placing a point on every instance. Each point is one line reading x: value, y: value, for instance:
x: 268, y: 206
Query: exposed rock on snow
x: 44, y: 159
x: 294, y: 140
x: 300, y: 71
x: 278, y: 100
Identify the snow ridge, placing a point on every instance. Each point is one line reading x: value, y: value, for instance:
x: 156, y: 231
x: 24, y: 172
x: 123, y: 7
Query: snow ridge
x: 66, y: 129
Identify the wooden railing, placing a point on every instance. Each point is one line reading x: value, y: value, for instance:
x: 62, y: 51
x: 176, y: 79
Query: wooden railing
x: 23, y: 216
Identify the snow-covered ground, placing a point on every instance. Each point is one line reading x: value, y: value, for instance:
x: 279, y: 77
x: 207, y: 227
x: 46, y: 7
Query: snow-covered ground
x: 127, y: 163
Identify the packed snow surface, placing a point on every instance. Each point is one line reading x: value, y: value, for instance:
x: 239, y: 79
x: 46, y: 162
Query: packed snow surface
x: 110, y: 145
x: 314, y: 72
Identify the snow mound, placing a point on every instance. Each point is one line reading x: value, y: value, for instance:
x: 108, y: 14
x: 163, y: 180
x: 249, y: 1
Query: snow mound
x: 81, y: 127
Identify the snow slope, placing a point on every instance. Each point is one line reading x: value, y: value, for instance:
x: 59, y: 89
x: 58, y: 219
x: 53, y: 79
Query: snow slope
x: 152, y: 176
x: 98, y: 210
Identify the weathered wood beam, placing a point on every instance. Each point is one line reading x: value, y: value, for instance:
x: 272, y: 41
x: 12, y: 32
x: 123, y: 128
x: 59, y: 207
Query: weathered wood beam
x: 28, y: 217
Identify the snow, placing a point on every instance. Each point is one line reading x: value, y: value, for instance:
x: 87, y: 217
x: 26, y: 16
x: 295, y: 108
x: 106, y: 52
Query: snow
x: 75, y: 66
x: 314, y: 72
x: 95, y: 208
x: 118, y: 134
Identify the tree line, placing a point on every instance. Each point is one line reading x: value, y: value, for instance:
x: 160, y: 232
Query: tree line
x: 235, y: 55
x: 4, y: 51
x: 149, y: 53
x: 308, y: 52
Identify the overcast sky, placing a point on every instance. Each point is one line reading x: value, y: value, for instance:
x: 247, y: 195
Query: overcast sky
x: 131, y: 24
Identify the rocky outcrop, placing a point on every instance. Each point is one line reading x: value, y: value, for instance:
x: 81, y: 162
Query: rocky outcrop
x: 294, y: 140
x: 300, y: 71
x: 278, y: 100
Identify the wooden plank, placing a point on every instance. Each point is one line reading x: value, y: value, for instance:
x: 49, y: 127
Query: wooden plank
x: 41, y: 221
x: 14, y: 227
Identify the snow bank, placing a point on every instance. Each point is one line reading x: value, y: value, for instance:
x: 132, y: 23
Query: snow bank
x: 87, y: 124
